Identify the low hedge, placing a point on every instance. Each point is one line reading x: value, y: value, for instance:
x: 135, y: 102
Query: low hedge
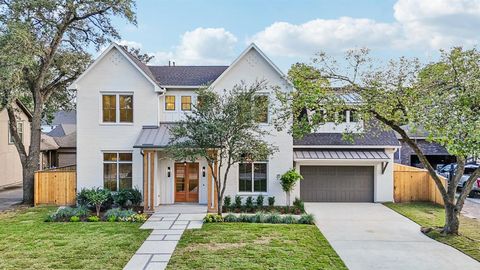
x: 260, y: 217
x: 83, y: 214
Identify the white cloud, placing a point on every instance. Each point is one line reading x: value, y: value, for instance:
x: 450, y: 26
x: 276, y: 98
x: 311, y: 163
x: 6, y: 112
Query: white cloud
x: 419, y: 25
x: 131, y: 44
x: 201, y: 46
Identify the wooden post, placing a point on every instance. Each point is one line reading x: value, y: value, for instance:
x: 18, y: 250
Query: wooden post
x: 145, y: 181
x: 152, y: 181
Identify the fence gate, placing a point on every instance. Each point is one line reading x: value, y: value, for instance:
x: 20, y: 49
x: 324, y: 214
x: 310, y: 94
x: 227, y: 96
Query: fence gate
x: 56, y: 186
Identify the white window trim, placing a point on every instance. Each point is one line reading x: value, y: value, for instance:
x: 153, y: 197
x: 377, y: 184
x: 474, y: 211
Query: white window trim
x: 117, y: 109
x: 118, y: 162
x: 252, y: 179
x: 165, y: 103
x: 191, y: 103
x: 10, y: 138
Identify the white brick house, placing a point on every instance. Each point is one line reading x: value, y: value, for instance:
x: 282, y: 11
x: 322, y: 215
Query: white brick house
x: 124, y: 109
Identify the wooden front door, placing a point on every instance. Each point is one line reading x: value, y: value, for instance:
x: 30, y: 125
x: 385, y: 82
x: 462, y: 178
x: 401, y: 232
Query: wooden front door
x: 186, y: 182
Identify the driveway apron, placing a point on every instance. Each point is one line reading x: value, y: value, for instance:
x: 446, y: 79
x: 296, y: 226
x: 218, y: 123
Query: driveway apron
x: 371, y: 236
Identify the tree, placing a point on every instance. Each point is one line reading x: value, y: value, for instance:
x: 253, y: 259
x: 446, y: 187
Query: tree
x: 56, y: 35
x: 288, y: 181
x: 97, y: 197
x: 223, y: 129
x: 142, y: 57
x: 442, y: 97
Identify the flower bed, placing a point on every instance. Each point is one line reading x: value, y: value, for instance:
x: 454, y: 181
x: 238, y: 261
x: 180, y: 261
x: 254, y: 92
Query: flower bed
x: 260, y: 217
x: 107, y: 206
x: 251, y: 205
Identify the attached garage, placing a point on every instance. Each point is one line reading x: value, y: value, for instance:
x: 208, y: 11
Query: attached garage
x: 337, y: 183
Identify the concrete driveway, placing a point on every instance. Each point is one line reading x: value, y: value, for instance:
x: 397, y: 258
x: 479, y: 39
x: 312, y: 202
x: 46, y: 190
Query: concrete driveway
x: 10, y: 197
x: 371, y: 236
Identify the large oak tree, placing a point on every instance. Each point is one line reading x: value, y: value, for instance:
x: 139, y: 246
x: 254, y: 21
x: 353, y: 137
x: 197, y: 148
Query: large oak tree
x: 443, y: 98
x: 44, y: 48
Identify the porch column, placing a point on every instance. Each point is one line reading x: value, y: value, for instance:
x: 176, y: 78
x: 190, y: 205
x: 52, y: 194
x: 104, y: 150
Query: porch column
x: 212, y: 189
x: 149, y: 181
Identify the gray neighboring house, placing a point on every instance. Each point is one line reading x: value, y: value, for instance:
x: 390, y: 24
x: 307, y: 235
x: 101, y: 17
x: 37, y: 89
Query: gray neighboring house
x: 59, y: 141
x: 436, y: 154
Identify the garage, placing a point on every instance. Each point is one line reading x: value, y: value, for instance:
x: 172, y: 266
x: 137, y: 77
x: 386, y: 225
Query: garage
x: 337, y: 183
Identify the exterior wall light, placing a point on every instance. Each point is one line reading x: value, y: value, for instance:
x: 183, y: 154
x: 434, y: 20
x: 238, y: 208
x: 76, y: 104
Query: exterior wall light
x: 169, y: 172
x: 203, y: 171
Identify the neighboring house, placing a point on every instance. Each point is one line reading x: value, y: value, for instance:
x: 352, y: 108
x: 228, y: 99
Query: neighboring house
x: 59, y: 146
x: 436, y: 154
x: 10, y: 165
x: 125, y: 109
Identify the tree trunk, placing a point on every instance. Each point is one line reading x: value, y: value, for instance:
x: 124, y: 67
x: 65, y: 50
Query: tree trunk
x: 220, y: 205
x: 288, y: 198
x: 452, y: 222
x: 28, y: 184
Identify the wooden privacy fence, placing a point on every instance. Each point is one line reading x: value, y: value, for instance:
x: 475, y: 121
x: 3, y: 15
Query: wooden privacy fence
x: 413, y: 184
x: 56, y: 186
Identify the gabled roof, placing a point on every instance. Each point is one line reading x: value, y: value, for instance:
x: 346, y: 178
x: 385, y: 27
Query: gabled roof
x: 47, y: 143
x: 193, y: 76
x: 140, y: 66
x: 63, y: 117
x: 252, y: 46
x: 62, y: 130
x: 67, y: 141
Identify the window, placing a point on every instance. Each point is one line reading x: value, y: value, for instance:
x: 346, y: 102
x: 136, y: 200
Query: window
x: 252, y: 177
x: 109, y: 104
x: 170, y: 103
x: 126, y: 109
x: 19, y: 131
x: 186, y: 103
x: 117, y: 171
x: 117, y: 103
x: 261, y: 103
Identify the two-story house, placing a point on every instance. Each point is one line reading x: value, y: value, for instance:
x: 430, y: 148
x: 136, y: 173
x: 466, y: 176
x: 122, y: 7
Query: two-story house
x: 125, y: 109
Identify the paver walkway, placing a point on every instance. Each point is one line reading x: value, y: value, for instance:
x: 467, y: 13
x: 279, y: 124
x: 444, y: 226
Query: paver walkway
x: 371, y: 236
x: 168, y: 224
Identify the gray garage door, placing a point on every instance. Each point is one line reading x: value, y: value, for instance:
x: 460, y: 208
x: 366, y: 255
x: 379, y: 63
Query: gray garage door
x: 336, y: 184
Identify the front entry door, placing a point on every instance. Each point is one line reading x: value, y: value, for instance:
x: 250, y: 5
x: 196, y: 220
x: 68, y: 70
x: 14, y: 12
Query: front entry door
x: 186, y: 182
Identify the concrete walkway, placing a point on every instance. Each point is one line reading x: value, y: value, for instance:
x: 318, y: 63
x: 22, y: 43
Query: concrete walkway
x: 168, y: 224
x: 371, y: 236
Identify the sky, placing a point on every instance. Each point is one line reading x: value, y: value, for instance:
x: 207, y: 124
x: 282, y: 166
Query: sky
x: 215, y: 32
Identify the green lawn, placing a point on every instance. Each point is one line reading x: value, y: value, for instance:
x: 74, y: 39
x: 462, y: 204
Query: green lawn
x: 26, y: 242
x: 254, y: 246
x: 430, y: 215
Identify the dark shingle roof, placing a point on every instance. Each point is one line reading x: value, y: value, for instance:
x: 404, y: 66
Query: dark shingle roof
x: 139, y: 64
x: 67, y: 141
x: 63, y: 117
x: 186, y: 75
x: 383, y: 138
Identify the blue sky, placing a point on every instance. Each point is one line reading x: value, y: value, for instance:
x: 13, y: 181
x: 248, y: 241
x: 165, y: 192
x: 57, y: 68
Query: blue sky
x: 195, y: 32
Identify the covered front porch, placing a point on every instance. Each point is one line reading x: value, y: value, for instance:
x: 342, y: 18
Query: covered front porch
x: 167, y: 181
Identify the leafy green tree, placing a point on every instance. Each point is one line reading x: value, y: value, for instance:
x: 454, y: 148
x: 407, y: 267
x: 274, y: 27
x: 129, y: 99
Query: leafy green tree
x: 442, y: 97
x: 223, y: 129
x: 288, y: 181
x: 44, y: 49
x: 97, y: 197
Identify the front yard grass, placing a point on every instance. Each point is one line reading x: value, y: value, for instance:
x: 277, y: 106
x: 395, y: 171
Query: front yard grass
x: 254, y: 246
x: 432, y: 215
x: 27, y: 242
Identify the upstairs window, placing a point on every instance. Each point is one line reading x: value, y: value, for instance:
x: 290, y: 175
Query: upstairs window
x: 126, y: 108
x: 117, y: 108
x: 186, y: 103
x: 19, y: 131
x: 170, y: 103
x: 261, y: 103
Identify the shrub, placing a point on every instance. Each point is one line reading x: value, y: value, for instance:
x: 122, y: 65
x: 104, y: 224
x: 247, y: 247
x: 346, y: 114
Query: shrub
x: 97, y: 197
x: 271, y: 201
x: 260, y: 200
x: 65, y: 213
x: 238, y: 202
x: 275, y: 218
x: 230, y: 218
x: 83, y: 201
x: 127, y: 197
x: 260, y: 217
x: 306, y: 219
x: 243, y: 218
x: 212, y: 218
x: 50, y: 218
x: 289, y: 219
x: 135, y: 218
x: 227, y: 202
x: 93, y: 219
x: 74, y: 219
x: 249, y: 202
x: 116, y: 214
x: 299, y: 204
